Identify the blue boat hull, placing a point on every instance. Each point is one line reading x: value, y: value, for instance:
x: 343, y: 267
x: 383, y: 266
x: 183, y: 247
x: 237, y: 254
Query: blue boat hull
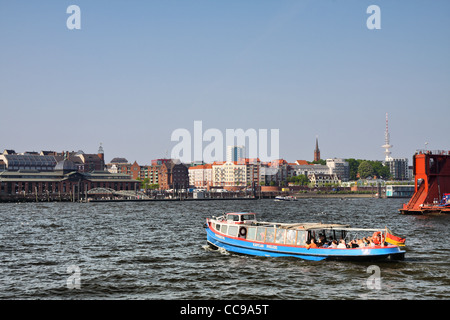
x: 241, y: 246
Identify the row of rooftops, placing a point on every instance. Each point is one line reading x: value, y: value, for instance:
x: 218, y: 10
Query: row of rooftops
x: 246, y: 161
x: 50, y: 161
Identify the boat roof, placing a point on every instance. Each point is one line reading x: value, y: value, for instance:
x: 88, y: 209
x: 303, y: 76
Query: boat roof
x: 240, y: 213
x: 313, y: 225
x: 317, y: 226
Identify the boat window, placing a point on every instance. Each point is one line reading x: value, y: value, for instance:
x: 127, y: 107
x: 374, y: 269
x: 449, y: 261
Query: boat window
x: 248, y: 217
x: 270, y: 235
x: 232, y: 217
x: 260, y: 234
x: 217, y: 227
x: 224, y: 228
x: 280, y: 235
x: 301, y: 235
x: 251, y: 233
x: 290, y: 237
x: 233, y: 231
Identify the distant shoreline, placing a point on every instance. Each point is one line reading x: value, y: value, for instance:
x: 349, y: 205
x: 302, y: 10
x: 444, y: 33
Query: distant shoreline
x: 335, y: 195
x: 299, y: 196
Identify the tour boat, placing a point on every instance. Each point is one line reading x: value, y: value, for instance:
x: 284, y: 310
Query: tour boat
x: 240, y: 232
x: 286, y: 198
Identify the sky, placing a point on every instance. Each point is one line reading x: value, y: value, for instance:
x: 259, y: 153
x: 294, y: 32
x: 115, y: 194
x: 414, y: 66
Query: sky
x: 137, y: 71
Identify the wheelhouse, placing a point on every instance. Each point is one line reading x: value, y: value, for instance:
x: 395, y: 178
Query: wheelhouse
x: 241, y: 218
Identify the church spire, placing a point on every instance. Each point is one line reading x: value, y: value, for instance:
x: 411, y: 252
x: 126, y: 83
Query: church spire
x: 317, y: 151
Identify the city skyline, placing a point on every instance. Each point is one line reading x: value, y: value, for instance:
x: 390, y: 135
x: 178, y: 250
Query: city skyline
x: 134, y: 73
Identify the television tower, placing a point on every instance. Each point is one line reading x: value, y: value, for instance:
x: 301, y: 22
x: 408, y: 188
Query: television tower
x: 387, y: 145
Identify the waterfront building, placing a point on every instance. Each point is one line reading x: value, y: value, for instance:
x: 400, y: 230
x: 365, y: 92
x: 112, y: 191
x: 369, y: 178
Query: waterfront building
x: 229, y: 173
x: 27, y: 161
x: 399, y: 191
x: 398, y: 168
x: 151, y: 174
x: 63, y: 181
x: 277, y: 172
x: 243, y: 173
x: 173, y: 175
x: 339, y: 167
x: 318, y: 180
x: 114, y: 165
x: 52, y: 174
x: 47, y: 160
x: 254, y: 174
x: 234, y: 153
x: 85, y: 162
x: 306, y: 169
x: 200, y: 176
x: 135, y: 171
x: 159, y: 162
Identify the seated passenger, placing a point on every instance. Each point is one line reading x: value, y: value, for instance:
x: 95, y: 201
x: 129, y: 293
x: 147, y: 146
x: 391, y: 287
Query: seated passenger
x: 342, y: 244
x: 366, y: 241
x: 312, y: 244
x: 322, y: 238
x: 321, y: 243
x: 376, y: 237
x: 361, y: 243
x: 353, y: 244
x: 333, y: 244
x: 330, y: 240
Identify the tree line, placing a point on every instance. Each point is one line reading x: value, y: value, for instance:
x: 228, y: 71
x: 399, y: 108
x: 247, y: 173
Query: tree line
x: 367, y: 168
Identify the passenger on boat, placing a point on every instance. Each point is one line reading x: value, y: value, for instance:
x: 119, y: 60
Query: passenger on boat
x: 360, y: 243
x: 365, y: 241
x: 376, y: 238
x: 312, y: 244
x: 330, y: 241
x: 321, y: 243
x: 342, y: 244
x: 353, y: 244
x: 333, y: 244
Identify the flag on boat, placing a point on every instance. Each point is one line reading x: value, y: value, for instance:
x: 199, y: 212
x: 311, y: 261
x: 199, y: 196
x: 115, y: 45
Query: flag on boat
x: 394, y: 239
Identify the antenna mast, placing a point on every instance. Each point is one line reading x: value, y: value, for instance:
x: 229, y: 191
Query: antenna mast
x: 387, y: 146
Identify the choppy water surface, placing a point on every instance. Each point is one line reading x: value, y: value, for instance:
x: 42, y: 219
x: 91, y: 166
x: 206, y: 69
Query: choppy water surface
x: 156, y: 251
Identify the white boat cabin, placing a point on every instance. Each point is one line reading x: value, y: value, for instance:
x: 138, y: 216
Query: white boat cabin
x: 241, y: 218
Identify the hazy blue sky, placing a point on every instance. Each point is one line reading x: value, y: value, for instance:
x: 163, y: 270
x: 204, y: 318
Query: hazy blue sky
x: 138, y: 70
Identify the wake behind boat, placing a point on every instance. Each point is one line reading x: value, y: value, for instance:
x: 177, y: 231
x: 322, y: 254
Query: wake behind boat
x: 240, y: 232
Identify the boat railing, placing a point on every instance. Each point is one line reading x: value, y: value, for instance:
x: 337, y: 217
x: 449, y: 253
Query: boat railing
x: 433, y: 152
x: 278, y: 233
x: 308, y: 226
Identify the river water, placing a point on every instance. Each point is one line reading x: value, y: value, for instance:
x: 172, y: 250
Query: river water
x: 156, y: 250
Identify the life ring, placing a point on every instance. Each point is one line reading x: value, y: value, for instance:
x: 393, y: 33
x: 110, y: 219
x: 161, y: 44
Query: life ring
x: 243, y: 231
x: 376, y: 237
